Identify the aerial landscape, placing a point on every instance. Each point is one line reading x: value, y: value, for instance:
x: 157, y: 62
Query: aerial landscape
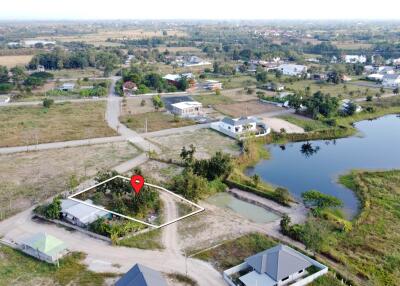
x: 147, y: 144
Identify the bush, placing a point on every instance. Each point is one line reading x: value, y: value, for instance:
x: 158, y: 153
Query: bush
x: 5, y: 88
x: 47, y: 102
x: 283, y: 196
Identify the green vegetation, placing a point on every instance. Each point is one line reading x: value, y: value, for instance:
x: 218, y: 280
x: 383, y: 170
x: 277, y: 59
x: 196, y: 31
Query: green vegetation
x: 212, y: 99
x: 15, y: 266
x: 155, y: 121
x: 148, y: 240
x: 182, y: 279
x: 28, y: 125
x: 50, y: 211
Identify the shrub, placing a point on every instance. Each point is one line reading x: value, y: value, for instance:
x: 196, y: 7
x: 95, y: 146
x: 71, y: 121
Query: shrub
x: 47, y: 102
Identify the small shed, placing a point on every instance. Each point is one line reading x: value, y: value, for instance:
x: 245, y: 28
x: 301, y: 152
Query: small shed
x: 44, y: 247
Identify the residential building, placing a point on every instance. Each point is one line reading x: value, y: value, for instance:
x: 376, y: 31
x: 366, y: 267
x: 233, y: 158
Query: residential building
x: 352, y: 59
x: 277, y: 266
x: 240, y: 127
x: 187, y: 108
x: 33, y: 43
x: 385, y: 70
x: 140, y: 275
x: 273, y: 86
x: 81, y: 214
x: 175, y: 78
x: 345, y: 103
x: 43, y: 247
x: 391, y: 80
x: 68, y: 86
x: 4, y: 99
x: 129, y: 88
x: 212, y: 84
x: 192, y: 61
x: 292, y: 69
x: 375, y: 77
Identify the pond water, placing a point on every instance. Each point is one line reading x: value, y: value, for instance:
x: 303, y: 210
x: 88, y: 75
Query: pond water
x: 252, y: 212
x: 302, y: 166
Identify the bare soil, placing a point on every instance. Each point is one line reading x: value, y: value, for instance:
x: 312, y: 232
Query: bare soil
x: 246, y: 108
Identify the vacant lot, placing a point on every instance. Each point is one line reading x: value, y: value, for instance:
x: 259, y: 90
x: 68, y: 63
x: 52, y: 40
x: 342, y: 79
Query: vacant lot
x: 27, y: 125
x: 77, y: 73
x: 27, y: 178
x: 212, y: 99
x: 21, y: 270
x: 159, y: 171
x: 137, y: 105
x: 237, y: 81
x: 206, y: 141
x: 12, y: 61
x: 246, y: 108
x: 155, y: 121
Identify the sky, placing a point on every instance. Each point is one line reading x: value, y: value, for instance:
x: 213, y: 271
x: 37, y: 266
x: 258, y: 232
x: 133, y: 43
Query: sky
x: 202, y: 9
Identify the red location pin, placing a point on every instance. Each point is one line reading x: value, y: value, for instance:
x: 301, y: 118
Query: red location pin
x: 137, y: 183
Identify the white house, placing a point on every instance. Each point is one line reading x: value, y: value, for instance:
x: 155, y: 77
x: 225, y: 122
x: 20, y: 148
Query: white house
x: 239, y: 127
x: 292, y: 69
x: 213, y: 84
x: 391, y: 80
x: 345, y: 103
x: 81, y: 214
x: 187, y: 108
x: 375, y: 77
x: 352, y: 59
x: 44, y: 247
x: 277, y: 266
x: 68, y: 86
x: 385, y: 70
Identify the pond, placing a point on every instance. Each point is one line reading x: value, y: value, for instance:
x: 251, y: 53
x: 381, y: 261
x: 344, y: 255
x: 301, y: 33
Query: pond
x: 252, y: 212
x: 302, y: 166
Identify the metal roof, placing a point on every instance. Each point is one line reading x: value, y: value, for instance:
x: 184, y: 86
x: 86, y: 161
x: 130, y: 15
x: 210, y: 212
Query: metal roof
x: 86, y: 214
x: 45, y: 243
x: 238, y: 121
x: 278, y: 262
x: 140, y: 275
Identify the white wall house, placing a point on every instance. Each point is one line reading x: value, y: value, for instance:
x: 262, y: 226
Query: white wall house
x: 213, y: 84
x: 81, y: 214
x: 277, y: 266
x: 391, y: 80
x: 352, y: 59
x: 239, y: 127
x: 187, y: 108
x: 292, y: 69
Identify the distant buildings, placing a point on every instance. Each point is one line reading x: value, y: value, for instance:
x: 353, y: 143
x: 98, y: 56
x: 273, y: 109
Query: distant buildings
x: 140, y: 275
x: 240, y: 127
x: 190, y: 61
x: 44, y: 247
x: 277, y: 266
x: 187, y: 108
x: 292, y: 69
x: 67, y: 86
x: 175, y: 78
x: 352, y: 59
x: 391, y: 80
x: 212, y: 84
x: 345, y: 104
x: 129, y: 88
x: 81, y: 214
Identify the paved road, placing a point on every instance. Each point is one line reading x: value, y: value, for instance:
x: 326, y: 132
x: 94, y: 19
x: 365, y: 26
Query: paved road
x: 59, y: 145
x: 38, y: 102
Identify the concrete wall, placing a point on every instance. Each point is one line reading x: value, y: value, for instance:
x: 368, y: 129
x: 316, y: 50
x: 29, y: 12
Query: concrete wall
x: 233, y: 270
x: 307, y: 280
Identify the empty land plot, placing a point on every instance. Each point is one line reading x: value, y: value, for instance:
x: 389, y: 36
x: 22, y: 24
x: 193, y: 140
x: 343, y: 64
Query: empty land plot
x: 238, y: 81
x: 27, y: 125
x: 137, y: 105
x: 246, y: 108
x: 12, y: 61
x: 77, y: 73
x: 206, y: 141
x: 159, y: 171
x: 27, y: 178
x: 155, y: 121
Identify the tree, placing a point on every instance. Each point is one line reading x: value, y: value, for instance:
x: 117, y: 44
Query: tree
x: 396, y: 91
x: 53, y: 210
x: 256, y: 179
x: 187, y: 155
x: 216, y: 67
x: 314, y: 233
x: 218, y: 166
x: 48, y: 102
x: 157, y: 102
x: 350, y: 108
x: 4, y: 74
x: 262, y: 77
x: 189, y: 185
x: 295, y: 101
x: 18, y: 74
x: 321, y: 103
x: 143, y: 102
x: 316, y: 199
x: 282, y: 195
x: 285, y: 223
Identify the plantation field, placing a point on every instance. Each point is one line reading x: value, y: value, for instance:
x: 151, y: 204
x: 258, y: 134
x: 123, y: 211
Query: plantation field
x: 12, y: 61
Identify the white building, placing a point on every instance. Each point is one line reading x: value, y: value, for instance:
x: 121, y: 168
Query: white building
x: 345, y: 103
x: 277, y: 266
x: 375, y: 77
x: 32, y: 43
x: 352, y: 59
x: 212, y: 84
x: 292, y: 69
x: 81, y: 214
x: 391, y: 80
x: 68, y: 86
x: 239, y: 127
x: 187, y: 108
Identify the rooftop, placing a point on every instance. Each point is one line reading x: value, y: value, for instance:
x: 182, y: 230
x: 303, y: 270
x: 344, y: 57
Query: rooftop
x: 186, y: 104
x: 140, y: 275
x: 45, y: 243
x: 83, y: 212
x: 238, y: 121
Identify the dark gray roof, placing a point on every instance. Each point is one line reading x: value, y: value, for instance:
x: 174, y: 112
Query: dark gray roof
x: 240, y: 121
x: 140, y: 275
x: 278, y: 262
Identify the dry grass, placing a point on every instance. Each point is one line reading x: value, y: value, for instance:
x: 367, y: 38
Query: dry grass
x: 155, y: 121
x: 26, y: 178
x: 12, y: 61
x: 246, y: 108
x: 27, y: 125
x: 206, y: 141
x: 133, y: 106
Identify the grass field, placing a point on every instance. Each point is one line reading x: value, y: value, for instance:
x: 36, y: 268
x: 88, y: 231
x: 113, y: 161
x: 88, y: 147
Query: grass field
x: 12, y: 61
x: 155, y: 121
x: 19, y: 269
x: 237, y: 81
x: 371, y: 251
x: 29, y: 178
x: 212, y: 99
x: 344, y: 90
x: 307, y: 123
x: 77, y: 73
x: 27, y: 125
x: 246, y: 108
x: 147, y: 240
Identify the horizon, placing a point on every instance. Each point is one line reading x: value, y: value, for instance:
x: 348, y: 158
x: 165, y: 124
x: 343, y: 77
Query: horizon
x: 74, y: 10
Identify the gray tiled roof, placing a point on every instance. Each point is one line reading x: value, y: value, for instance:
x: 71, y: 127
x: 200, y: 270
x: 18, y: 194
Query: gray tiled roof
x: 240, y: 121
x: 140, y: 275
x: 278, y: 262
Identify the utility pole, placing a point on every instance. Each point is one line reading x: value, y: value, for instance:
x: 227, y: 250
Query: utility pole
x: 145, y: 125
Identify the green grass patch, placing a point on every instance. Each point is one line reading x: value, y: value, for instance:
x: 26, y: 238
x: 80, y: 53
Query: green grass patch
x: 212, y: 99
x: 306, y: 124
x: 18, y: 268
x: 155, y: 121
x: 147, y: 240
